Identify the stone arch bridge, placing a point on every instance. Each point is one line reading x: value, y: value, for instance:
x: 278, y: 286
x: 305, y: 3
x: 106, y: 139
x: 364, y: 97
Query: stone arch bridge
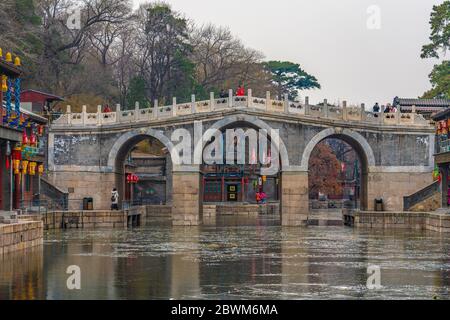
x: 87, y: 150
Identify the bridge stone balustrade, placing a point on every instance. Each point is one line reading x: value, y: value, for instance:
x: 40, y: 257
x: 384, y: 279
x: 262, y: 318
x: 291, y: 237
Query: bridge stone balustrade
x: 350, y: 113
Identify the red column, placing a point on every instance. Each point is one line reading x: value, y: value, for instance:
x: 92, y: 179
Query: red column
x: 17, y: 191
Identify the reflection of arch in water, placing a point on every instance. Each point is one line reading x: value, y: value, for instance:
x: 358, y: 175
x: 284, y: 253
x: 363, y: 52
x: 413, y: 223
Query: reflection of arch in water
x: 357, y: 142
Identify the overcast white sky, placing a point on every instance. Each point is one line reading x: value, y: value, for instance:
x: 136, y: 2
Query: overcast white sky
x: 330, y: 39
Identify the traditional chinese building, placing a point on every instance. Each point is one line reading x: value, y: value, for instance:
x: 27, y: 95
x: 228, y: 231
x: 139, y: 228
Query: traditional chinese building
x: 22, y: 139
x: 442, y: 154
x: 426, y: 107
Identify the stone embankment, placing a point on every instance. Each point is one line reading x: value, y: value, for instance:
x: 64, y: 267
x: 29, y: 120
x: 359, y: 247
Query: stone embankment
x: 434, y: 221
x: 20, y: 236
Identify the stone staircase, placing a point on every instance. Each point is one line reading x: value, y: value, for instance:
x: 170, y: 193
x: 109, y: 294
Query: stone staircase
x: 425, y: 200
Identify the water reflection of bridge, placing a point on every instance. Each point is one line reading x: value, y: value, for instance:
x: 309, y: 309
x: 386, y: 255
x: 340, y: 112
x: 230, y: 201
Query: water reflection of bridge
x: 233, y: 262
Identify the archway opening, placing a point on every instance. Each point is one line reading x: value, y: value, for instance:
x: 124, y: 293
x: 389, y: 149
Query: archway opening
x: 248, y: 179
x: 143, y: 172
x: 337, y: 176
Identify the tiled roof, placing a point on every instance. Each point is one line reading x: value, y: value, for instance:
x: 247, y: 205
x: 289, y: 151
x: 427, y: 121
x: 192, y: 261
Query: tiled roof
x: 423, y: 109
x: 9, y: 69
x: 423, y: 102
x: 444, y: 114
x: 48, y: 96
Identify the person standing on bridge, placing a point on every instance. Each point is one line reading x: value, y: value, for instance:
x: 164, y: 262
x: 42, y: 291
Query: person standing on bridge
x: 376, y: 108
x: 240, y: 92
x: 223, y: 94
x: 114, y: 199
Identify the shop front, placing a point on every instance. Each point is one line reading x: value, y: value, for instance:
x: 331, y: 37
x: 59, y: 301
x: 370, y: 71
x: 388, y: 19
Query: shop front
x: 237, y: 183
x: 442, y: 154
x: 22, y: 141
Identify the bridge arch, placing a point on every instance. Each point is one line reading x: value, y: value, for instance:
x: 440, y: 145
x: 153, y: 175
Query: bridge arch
x: 131, y: 138
x: 254, y: 122
x: 357, y: 142
x: 117, y: 159
x: 353, y: 138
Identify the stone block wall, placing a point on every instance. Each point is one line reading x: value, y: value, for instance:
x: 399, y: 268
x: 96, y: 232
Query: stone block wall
x: 209, y: 210
x: 85, y: 184
x: 400, y: 220
x: 393, y: 186
x: 20, y: 236
x: 159, y: 211
x: 85, y: 219
x: 237, y: 209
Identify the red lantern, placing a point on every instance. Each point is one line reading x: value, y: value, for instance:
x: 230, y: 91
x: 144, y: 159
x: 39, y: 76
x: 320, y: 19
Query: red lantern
x: 128, y: 178
x: 33, y: 140
x: 135, y: 178
x: 25, y: 140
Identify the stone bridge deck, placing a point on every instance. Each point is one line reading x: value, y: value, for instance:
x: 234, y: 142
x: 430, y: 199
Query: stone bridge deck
x: 267, y: 105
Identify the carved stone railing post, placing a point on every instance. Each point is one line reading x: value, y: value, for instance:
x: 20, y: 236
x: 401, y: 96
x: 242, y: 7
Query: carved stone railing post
x: 344, y: 110
x: 99, y: 115
x: 230, y: 98
x: 268, y: 101
x: 363, y: 111
x: 212, y: 101
x: 118, y: 113
x: 325, y: 108
x: 398, y: 115
x: 286, y: 103
x: 413, y: 114
x: 136, y: 111
x: 249, y: 98
x: 155, y: 109
x: 306, y: 106
x: 381, y: 115
x: 83, y: 114
x: 69, y: 115
x: 174, y: 106
x: 193, y: 108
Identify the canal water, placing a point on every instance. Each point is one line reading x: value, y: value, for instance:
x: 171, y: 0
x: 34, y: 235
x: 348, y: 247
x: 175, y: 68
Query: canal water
x: 258, y: 260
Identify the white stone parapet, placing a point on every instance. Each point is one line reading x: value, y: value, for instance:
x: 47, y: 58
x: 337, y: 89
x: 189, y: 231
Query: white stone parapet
x: 269, y: 105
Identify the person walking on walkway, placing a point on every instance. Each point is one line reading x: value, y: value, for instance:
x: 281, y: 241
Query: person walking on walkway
x: 114, y: 199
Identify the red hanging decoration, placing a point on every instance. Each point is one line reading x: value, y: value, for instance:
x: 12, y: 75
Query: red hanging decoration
x: 25, y: 140
x: 33, y: 140
x: 7, y: 163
